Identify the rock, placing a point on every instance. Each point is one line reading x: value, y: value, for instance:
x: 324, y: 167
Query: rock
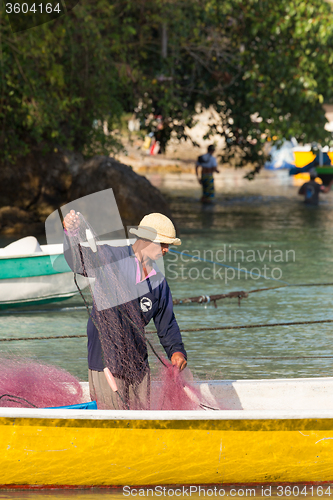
x: 39, y: 184
x: 134, y: 194
x: 36, y: 178
x: 14, y: 220
x: 73, y: 160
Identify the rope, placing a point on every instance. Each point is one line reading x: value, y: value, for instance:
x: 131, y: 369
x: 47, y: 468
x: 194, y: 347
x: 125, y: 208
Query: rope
x: 195, y: 330
x: 20, y: 400
x: 201, y: 299
x: 236, y: 327
x: 45, y: 338
x: 292, y: 285
x: 150, y: 345
x: 188, y: 330
x: 289, y: 357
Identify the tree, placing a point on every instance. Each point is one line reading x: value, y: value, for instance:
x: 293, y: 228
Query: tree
x: 57, y: 81
x: 264, y: 67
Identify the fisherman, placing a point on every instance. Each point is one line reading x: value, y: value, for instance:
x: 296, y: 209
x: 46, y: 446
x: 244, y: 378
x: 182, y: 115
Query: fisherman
x: 208, y: 165
x: 311, y: 189
x: 117, y: 350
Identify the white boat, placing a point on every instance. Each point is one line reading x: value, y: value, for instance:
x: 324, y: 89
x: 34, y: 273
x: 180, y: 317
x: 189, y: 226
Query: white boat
x: 34, y: 274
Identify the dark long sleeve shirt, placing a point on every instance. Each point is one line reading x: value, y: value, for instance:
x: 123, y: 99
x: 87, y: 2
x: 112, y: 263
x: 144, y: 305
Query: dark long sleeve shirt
x: 123, y: 306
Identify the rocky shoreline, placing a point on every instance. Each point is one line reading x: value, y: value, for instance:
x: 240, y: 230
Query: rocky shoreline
x: 36, y: 186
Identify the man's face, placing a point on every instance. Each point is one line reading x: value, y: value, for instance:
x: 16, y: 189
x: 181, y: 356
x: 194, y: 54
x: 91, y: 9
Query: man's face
x: 156, y: 250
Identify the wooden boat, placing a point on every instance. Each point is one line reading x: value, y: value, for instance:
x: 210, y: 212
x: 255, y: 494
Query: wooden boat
x: 33, y: 274
x: 274, y: 431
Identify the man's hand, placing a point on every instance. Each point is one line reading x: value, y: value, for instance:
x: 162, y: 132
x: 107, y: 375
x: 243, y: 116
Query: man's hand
x: 178, y: 359
x: 71, y: 221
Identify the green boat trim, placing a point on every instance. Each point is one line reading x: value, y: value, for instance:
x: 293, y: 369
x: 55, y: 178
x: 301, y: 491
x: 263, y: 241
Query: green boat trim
x: 34, y: 302
x: 32, y: 265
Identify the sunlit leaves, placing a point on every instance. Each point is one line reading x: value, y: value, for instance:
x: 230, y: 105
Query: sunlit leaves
x: 246, y: 59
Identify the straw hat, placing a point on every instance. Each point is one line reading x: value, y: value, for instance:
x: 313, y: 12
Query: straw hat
x: 157, y: 228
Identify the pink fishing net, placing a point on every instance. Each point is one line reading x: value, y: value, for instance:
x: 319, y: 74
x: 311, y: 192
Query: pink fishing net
x: 25, y: 383
x: 174, y: 392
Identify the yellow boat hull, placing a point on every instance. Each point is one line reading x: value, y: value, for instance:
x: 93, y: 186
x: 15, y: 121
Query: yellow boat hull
x: 303, y: 158
x: 204, y: 448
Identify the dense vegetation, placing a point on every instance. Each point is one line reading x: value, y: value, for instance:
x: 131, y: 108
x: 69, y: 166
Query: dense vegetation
x: 266, y: 68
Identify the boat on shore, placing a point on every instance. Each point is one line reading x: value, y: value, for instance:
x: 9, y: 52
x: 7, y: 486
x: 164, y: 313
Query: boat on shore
x: 34, y: 274
x: 272, y: 431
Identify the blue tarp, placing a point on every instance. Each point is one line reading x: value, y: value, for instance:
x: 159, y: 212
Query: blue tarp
x: 92, y: 405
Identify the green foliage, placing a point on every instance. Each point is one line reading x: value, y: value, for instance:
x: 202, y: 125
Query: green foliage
x: 285, y: 74
x: 56, y: 79
x: 264, y: 67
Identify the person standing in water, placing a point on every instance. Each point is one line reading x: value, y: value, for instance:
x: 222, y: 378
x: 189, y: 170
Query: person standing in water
x: 208, y: 165
x: 117, y: 350
x: 311, y: 189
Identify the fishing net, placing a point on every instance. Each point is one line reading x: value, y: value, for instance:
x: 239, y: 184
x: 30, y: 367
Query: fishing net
x: 174, y: 393
x: 116, y: 294
x: 25, y: 383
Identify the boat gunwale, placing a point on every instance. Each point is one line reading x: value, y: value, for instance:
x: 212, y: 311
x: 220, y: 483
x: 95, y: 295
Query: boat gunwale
x: 43, y: 253
x: 225, y: 414
x: 162, y: 415
x: 56, y: 249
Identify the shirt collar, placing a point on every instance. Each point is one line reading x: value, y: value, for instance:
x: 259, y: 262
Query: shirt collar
x: 138, y: 273
x: 153, y: 272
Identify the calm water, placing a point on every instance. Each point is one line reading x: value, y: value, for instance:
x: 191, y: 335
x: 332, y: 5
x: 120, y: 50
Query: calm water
x: 261, y: 227
x: 252, y: 225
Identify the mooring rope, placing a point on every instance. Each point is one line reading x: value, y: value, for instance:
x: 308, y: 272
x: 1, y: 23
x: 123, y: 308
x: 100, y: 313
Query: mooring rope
x: 262, y: 325
x: 185, y: 330
x: 50, y: 337
x: 241, y: 357
x: 241, y: 294
x: 207, y: 329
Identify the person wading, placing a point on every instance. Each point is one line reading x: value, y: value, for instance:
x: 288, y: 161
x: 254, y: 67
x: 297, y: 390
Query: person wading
x: 311, y: 189
x: 208, y: 165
